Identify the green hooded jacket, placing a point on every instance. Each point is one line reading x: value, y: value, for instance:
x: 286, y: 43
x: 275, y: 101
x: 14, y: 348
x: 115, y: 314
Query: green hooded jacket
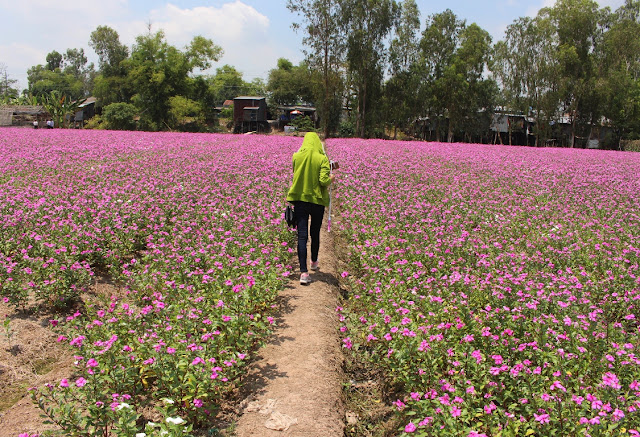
x: 311, y: 171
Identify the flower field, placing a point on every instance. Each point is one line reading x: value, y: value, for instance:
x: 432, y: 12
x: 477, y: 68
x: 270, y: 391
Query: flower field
x: 190, y: 223
x: 498, y: 287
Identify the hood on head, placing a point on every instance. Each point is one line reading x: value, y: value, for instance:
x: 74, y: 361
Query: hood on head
x: 312, y: 142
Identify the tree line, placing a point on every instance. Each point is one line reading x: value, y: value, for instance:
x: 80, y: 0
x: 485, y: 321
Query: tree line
x: 373, y: 68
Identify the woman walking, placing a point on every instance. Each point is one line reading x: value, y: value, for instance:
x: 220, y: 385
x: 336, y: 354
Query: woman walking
x: 309, y: 195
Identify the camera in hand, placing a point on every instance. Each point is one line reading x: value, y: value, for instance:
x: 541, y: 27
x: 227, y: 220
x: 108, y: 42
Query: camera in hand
x: 334, y: 165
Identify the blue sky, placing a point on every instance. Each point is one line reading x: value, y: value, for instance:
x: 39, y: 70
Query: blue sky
x: 253, y: 33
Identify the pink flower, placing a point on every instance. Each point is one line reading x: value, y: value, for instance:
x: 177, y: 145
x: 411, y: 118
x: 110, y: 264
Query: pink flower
x: 410, y: 427
x: 611, y: 380
x: 344, y: 275
x: 617, y: 415
x: 198, y: 403
x: 80, y: 382
x: 455, y: 411
x: 64, y: 383
x: 542, y: 418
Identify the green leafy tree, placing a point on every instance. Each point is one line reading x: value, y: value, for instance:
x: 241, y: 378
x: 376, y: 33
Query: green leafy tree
x: 111, y: 53
x: 54, y: 61
x: 227, y: 84
x: 325, y: 54
x: 158, y: 71
x: 619, y: 57
x: 43, y: 81
x: 578, y: 30
x: 185, y: 114
x: 438, y: 46
x: 368, y: 25
x: 111, y: 84
x: 454, y: 57
x: 8, y: 90
x: 289, y: 84
x: 120, y: 116
x: 400, y: 102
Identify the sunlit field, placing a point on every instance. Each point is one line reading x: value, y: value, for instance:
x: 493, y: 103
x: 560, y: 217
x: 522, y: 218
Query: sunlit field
x: 497, y: 288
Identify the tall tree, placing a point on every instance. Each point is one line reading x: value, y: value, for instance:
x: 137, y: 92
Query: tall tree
x: 438, y: 47
x: 110, y: 86
x: 619, y: 57
x: 227, y: 84
x: 578, y: 31
x: 321, y: 23
x: 368, y: 25
x: 8, y: 85
x: 106, y: 43
x: 44, y: 79
x: 401, y: 103
x: 454, y: 58
x: 54, y: 61
x: 290, y: 84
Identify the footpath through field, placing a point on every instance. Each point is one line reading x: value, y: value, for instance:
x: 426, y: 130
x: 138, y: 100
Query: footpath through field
x: 294, y: 386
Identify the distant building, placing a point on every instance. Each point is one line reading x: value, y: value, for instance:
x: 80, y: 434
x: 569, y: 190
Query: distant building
x: 250, y: 114
x: 86, y: 111
x: 23, y: 115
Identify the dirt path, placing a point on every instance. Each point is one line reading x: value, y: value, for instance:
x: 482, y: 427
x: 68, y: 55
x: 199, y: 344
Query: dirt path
x: 296, y: 379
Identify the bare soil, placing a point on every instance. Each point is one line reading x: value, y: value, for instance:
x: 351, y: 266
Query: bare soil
x: 30, y: 356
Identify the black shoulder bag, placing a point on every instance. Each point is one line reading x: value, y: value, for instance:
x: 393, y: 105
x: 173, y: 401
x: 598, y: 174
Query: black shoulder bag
x: 290, y: 216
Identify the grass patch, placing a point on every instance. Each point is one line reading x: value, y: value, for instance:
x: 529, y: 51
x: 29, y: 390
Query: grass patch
x: 12, y: 394
x: 367, y: 402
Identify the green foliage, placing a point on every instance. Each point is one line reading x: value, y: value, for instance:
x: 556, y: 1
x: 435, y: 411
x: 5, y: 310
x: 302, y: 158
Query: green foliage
x: 303, y: 124
x: 43, y: 81
x: 96, y: 122
x: 346, y: 130
x: 325, y: 40
x: 120, y: 116
x: 226, y: 112
x: 158, y: 71
x: 289, y: 84
x: 61, y: 107
x: 185, y: 114
x: 632, y: 146
x: 227, y: 84
x: 111, y: 53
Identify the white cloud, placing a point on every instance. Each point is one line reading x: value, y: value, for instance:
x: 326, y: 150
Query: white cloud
x: 239, y: 29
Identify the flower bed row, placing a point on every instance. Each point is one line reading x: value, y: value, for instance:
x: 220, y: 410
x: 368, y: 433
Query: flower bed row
x: 192, y: 224
x: 497, y: 287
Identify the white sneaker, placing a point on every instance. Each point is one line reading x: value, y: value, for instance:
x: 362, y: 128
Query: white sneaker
x: 315, y: 266
x: 305, y: 279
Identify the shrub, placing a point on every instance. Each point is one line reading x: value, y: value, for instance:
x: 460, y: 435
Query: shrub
x: 185, y: 114
x: 346, y: 130
x: 120, y: 116
x: 303, y: 124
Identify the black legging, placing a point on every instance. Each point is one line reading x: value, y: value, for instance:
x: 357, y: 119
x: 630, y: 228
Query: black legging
x: 303, y: 211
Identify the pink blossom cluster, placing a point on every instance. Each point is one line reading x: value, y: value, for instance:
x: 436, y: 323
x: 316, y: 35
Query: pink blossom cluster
x: 498, y: 286
x: 189, y: 225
